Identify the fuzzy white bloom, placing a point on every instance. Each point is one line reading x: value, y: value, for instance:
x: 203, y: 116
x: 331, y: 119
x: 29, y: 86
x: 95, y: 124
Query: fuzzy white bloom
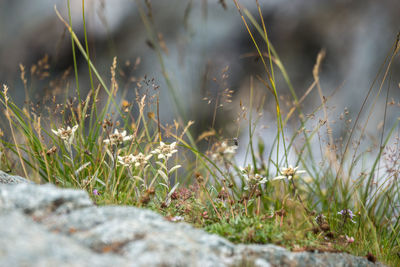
x: 66, y: 134
x: 224, y: 151
x: 252, y: 179
x: 126, y: 160
x: 289, y: 173
x: 117, y: 138
x: 139, y: 161
x: 165, y: 151
x: 142, y: 160
x: 228, y: 149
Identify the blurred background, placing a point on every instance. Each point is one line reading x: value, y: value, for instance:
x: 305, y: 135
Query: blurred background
x: 206, y: 49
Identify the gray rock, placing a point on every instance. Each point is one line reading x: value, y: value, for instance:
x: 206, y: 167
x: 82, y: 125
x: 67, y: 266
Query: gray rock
x: 143, y: 236
x: 39, y: 201
x: 48, y: 226
x: 26, y: 243
x: 12, y: 179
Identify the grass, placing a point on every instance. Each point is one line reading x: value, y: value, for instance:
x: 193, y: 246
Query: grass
x: 112, y: 143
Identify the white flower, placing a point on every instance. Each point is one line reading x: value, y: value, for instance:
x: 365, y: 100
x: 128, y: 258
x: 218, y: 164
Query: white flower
x: 117, y: 138
x: 289, y: 173
x: 165, y: 151
x: 126, y: 160
x: 228, y: 149
x: 139, y: 161
x: 224, y: 151
x: 66, y: 134
x: 251, y: 179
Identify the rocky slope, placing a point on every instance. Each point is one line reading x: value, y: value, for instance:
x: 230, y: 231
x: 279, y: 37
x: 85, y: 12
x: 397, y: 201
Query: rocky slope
x: 42, y: 225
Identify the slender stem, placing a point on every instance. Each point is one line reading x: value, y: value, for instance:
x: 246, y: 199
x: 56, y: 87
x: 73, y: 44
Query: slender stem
x: 73, y: 52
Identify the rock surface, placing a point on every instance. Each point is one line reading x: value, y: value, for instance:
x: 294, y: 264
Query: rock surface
x: 12, y: 179
x: 43, y: 225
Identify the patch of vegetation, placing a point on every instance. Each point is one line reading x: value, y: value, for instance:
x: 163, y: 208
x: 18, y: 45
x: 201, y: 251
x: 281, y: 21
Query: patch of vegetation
x: 118, y: 150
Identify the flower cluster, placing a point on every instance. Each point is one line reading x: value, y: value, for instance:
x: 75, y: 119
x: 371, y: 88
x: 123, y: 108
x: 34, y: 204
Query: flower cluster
x: 66, y: 134
x: 165, y: 151
x: 252, y: 179
x: 127, y: 160
x: 224, y: 151
x: 117, y: 138
x: 289, y: 173
x: 139, y: 161
x: 347, y: 214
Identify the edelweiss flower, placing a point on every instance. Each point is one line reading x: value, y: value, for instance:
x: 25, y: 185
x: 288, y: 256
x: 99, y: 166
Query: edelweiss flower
x: 224, y: 151
x: 289, y: 173
x: 66, y: 134
x: 126, y: 160
x: 141, y: 160
x: 252, y: 179
x: 117, y: 138
x: 165, y: 151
